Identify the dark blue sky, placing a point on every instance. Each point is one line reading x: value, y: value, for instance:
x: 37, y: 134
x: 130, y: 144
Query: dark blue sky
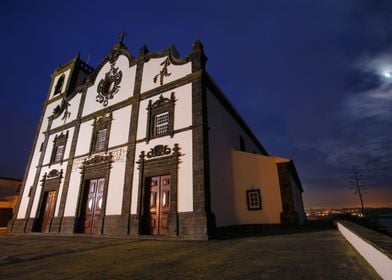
x: 310, y: 77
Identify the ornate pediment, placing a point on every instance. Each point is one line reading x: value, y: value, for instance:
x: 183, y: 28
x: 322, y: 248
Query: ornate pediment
x: 163, y: 101
x: 53, y: 174
x: 159, y: 150
x: 99, y: 159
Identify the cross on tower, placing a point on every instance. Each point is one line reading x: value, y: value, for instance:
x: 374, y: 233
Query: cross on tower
x: 121, y: 37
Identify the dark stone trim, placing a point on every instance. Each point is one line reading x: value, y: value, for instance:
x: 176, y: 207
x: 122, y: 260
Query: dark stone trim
x: 166, y: 165
x: 94, y: 168
x: 69, y: 165
x: 114, y: 225
x: 233, y: 112
x: 288, y: 216
x: 202, y: 217
x: 132, y: 100
x: 131, y: 150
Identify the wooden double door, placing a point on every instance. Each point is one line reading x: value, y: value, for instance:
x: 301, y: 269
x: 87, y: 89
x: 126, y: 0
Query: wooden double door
x: 93, y: 204
x: 47, y: 210
x: 158, y: 204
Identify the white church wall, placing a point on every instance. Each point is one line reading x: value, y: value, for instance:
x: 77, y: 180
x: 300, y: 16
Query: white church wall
x: 224, y: 135
x: 119, y: 130
x: 73, y: 190
x: 125, y: 90
x: 258, y: 172
x: 115, y: 188
x: 73, y: 109
x: 185, y: 171
x: 153, y: 67
x: 66, y: 74
x: 182, y: 109
x: 30, y: 176
x: 34, y: 163
x: 84, y: 138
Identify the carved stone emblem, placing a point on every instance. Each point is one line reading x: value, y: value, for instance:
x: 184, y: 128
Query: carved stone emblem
x: 99, y: 159
x: 62, y: 108
x: 163, y: 73
x: 53, y: 173
x: 110, y: 85
x: 159, y: 150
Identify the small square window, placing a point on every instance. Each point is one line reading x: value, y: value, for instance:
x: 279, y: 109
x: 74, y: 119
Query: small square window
x: 254, y: 199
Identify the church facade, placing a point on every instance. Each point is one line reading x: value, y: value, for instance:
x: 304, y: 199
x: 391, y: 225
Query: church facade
x: 149, y: 145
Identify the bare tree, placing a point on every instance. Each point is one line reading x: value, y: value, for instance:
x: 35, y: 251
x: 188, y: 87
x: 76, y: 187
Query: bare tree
x: 358, y: 185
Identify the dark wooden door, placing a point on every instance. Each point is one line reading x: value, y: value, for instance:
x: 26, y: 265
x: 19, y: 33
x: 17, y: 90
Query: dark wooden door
x: 93, y: 205
x: 49, y: 200
x: 159, y: 199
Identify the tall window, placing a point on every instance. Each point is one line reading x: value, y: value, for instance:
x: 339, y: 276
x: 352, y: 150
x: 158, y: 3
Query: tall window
x: 59, y: 148
x: 101, y: 131
x: 161, y: 123
x: 160, y: 117
x: 101, y: 140
x: 59, y: 85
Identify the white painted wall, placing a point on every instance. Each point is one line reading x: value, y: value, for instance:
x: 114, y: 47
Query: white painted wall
x: 185, y: 171
x: 115, y: 188
x: 66, y: 73
x: 125, y: 91
x: 73, y: 189
x: 34, y: 162
x: 224, y: 135
x: 182, y: 109
x: 84, y: 138
x: 153, y: 67
x: 119, y: 130
x: 378, y: 260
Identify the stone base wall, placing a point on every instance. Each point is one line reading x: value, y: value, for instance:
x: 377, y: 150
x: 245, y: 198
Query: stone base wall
x: 17, y: 225
x: 114, y: 225
x: 68, y: 225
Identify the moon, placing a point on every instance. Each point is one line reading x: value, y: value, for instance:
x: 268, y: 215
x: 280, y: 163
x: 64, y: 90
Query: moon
x: 387, y: 74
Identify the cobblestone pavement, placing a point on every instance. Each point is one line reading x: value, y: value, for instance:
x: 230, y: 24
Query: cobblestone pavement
x: 308, y: 255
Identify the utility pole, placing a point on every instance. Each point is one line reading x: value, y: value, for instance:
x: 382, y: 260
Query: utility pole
x: 358, y: 185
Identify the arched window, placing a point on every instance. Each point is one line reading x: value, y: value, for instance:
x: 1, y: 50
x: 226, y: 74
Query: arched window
x: 59, y: 85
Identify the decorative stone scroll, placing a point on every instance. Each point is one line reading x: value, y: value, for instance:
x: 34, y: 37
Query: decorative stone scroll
x: 163, y: 73
x: 98, y: 159
x: 53, y: 173
x: 159, y: 150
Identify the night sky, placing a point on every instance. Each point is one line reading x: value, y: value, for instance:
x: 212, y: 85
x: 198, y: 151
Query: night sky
x: 313, y: 79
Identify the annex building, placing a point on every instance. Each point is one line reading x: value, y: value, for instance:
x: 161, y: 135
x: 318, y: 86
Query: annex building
x: 149, y: 145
